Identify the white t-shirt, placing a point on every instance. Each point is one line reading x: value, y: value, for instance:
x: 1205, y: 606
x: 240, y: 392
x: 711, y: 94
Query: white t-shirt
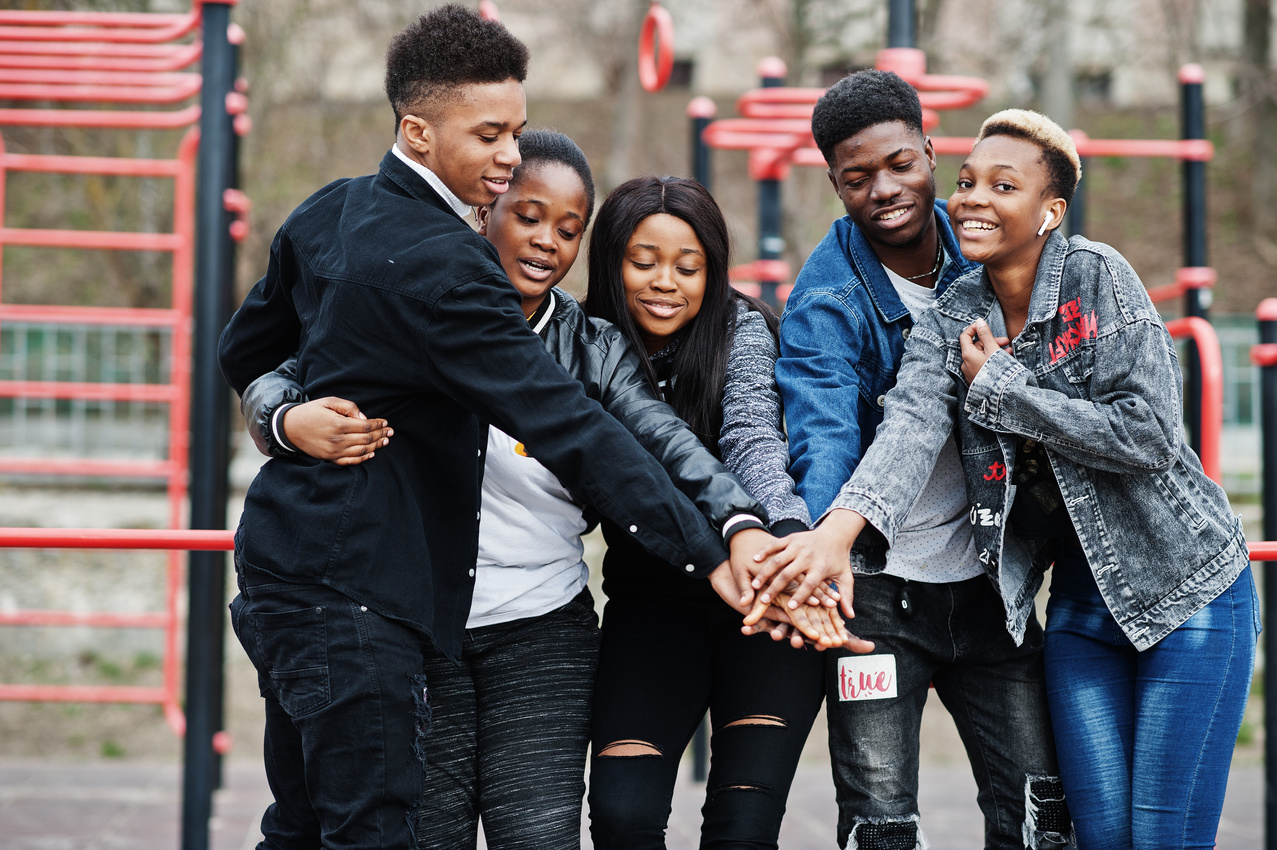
x: 935, y: 543
x: 530, y: 551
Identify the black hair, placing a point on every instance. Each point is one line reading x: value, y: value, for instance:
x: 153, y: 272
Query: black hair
x: 449, y: 47
x: 539, y: 147
x: 1061, y: 172
x: 859, y: 100
x: 700, y: 363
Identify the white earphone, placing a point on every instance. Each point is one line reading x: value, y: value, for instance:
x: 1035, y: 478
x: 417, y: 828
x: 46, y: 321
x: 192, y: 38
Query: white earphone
x: 1046, y: 219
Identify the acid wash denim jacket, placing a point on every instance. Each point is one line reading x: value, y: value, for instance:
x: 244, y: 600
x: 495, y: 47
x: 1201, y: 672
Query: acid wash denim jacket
x: 1094, y: 378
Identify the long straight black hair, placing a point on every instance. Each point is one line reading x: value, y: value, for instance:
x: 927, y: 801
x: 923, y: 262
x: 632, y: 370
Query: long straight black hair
x: 700, y: 363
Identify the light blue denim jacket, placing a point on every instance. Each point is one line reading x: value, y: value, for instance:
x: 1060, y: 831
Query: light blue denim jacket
x: 1095, y: 379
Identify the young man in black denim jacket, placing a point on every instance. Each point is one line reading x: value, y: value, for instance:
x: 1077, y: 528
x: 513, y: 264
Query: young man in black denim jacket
x: 392, y: 301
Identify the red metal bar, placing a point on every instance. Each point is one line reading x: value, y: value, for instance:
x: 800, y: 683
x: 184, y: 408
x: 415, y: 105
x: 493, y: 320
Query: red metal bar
x: 1203, y: 334
x: 101, y: 93
x: 102, y: 240
x: 1186, y: 278
x: 106, y: 57
x: 84, y: 693
x: 117, y: 27
x: 109, y: 165
x: 86, y: 391
x: 95, y: 77
x: 115, y: 538
x: 101, y: 118
x: 1264, y: 550
x: 98, y: 19
x: 99, y: 619
x: 1264, y: 354
x: 103, y: 316
x: 93, y: 468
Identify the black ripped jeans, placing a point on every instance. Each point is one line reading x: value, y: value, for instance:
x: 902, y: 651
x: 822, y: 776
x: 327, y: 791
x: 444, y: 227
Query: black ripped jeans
x: 663, y: 662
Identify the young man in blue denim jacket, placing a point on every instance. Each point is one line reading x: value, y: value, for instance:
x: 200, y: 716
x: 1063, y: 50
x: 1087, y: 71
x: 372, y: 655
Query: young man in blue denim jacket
x: 925, y: 602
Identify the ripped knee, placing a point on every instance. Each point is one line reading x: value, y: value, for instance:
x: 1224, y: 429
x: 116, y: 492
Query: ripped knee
x: 1046, y: 813
x: 629, y: 749
x: 758, y: 720
x: 895, y: 833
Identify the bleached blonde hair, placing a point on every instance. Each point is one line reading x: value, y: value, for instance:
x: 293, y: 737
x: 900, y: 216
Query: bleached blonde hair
x: 1058, y: 151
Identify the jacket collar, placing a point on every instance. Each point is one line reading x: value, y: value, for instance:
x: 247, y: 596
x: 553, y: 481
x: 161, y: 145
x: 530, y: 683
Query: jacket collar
x: 979, y: 302
x: 1044, y: 301
x: 869, y: 268
x: 412, y: 183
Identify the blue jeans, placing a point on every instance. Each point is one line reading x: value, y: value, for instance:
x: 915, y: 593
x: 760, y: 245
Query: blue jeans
x: 345, y: 711
x: 951, y: 635
x: 1145, y: 738
x: 509, y: 727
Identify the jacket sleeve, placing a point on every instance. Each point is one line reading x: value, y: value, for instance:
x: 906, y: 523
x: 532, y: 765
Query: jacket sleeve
x: 263, y: 399
x: 1128, y: 419
x: 265, y: 330
x: 820, y: 387
x: 481, y: 352
x: 920, y: 415
x: 627, y: 395
x: 752, y: 442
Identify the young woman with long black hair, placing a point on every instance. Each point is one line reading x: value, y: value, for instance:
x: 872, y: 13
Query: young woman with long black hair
x: 658, y: 264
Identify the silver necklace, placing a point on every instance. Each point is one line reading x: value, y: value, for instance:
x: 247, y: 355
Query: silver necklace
x: 936, y: 268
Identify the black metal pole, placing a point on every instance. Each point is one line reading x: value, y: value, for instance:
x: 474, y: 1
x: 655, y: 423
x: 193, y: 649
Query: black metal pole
x: 210, y: 440
x: 1267, y: 315
x: 901, y: 26
x: 701, y: 112
x: 1077, y: 209
x: 1193, y: 118
x: 771, y: 240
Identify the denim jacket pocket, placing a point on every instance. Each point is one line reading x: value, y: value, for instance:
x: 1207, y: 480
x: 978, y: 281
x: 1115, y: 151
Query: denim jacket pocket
x: 293, y: 646
x: 1078, y: 367
x: 1188, y: 505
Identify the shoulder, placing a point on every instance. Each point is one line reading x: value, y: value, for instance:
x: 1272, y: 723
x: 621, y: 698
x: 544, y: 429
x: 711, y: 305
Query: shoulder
x: 828, y: 268
x: 1101, y: 269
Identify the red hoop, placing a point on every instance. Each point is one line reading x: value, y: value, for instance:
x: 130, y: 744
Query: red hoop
x: 654, y: 70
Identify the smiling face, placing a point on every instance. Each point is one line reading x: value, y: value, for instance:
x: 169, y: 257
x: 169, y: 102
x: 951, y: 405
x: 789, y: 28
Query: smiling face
x: 1001, y: 201
x: 472, y: 141
x: 664, y: 275
x: 884, y: 177
x: 536, y: 227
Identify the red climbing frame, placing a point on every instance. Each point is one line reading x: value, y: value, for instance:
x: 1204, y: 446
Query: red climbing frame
x: 113, y: 64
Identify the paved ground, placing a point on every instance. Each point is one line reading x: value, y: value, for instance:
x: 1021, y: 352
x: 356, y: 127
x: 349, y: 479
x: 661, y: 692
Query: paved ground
x: 102, y: 806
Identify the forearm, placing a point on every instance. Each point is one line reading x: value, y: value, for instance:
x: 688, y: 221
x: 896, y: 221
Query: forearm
x: 1116, y: 428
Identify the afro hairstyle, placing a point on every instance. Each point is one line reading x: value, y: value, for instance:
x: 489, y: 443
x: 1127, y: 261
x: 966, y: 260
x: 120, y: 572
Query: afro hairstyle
x: 449, y: 47
x: 1059, y: 154
x: 859, y: 100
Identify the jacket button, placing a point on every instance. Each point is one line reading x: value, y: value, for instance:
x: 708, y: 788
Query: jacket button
x: 633, y: 529
x: 478, y: 452
x: 690, y: 568
x: 472, y: 572
x: 905, y: 333
x: 478, y: 515
x: 882, y: 401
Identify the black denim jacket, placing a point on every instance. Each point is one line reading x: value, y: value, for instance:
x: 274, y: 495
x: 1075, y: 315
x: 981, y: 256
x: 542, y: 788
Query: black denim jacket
x: 595, y: 353
x: 392, y: 301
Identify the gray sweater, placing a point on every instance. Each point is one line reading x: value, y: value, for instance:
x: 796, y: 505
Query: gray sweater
x: 752, y: 440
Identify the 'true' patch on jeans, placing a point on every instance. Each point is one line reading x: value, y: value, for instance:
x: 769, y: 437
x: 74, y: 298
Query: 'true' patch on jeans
x: 862, y: 677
